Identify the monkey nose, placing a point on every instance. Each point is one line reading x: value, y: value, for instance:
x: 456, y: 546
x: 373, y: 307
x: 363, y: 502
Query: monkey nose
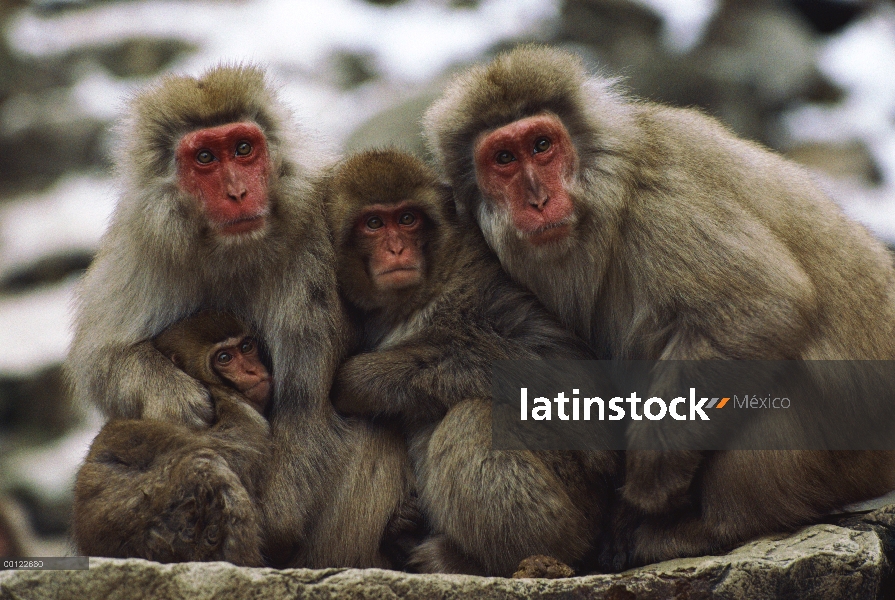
x: 538, y: 201
x: 237, y: 194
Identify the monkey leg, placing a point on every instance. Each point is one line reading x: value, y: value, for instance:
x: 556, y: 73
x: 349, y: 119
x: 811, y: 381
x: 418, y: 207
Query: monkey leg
x: 491, y: 509
x: 209, y: 515
x: 747, y: 494
x: 155, y: 490
x: 374, y: 483
x: 658, y: 481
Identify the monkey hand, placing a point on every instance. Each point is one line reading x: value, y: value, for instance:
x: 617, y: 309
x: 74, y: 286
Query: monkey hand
x: 405, y: 530
x: 658, y: 481
x: 354, y: 388
x: 180, y: 399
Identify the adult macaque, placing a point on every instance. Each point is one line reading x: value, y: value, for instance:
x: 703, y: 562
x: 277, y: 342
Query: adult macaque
x: 654, y: 233
x: 217, y: 212
x: 434, y: 310
x: 161, y: 491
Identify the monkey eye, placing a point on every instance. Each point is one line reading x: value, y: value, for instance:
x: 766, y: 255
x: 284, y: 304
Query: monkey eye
x: 243, y: 149
x: 374, y: 223
x: 204, y: 157
x: 542, y: 145
x: 504, y: 157
x: 407, y: 218
x: 247, y: 346
x: 223, y: 357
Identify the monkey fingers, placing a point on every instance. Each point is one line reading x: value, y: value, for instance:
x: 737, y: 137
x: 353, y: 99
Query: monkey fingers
x: 545, y: 567
x: 657, y: 481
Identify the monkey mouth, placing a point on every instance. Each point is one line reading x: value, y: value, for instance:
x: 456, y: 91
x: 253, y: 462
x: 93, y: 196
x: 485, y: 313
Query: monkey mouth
x: 398, y: 278
x: 395, y: 270
x: 552, y: 232
x: 258, y: 394
x: 244, y: 224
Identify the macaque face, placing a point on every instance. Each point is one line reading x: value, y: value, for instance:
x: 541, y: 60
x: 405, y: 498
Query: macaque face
x: 226, y: 168
x: 525, y: 168
x: 390, y: 237
x: 237, y: 360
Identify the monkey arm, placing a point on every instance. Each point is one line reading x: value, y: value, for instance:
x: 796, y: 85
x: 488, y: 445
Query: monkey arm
x: 418, y: 381
x: 241, y: 436
x: 529, y: 331
x: 450, y: 359
x: 137, y: 381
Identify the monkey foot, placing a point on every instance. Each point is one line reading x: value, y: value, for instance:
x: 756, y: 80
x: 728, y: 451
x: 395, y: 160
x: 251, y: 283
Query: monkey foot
x: 542, y: 566
x: 212, y: 518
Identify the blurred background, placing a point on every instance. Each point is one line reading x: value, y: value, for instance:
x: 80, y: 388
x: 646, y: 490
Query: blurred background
x: 813, y: 79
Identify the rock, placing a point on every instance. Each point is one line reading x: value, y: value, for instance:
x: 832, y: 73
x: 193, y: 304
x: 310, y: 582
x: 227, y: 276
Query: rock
x: 840, y: 160
x: 398, y: 126
x: 141, y: 56
x: 820, y: 561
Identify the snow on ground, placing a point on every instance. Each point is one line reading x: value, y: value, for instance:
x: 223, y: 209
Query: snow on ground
x: 409, y: 44
x: 51, y: 469
x: 860, y: 59
x: 684, y: 21
x: 37, y: 326
x: 71, y: 216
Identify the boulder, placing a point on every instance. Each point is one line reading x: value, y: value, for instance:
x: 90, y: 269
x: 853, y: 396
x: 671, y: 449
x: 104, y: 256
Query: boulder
x: 845, y: 558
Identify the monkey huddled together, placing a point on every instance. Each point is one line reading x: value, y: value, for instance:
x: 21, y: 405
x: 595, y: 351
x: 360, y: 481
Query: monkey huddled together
x: 295, y: 354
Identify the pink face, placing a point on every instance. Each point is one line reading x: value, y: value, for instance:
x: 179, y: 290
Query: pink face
x: 237, y: 361
x: 391, y: 239
x: 524, y: 167
x: 226, y: 168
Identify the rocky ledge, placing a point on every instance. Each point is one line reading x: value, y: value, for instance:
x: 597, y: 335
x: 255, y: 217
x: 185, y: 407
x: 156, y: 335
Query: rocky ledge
x: 848, y: 557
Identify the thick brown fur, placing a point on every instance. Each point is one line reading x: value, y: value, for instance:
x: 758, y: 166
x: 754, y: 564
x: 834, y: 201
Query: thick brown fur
x: 426, y: 354
x: 160, y: 261
x: 687, y: 243
x: 160, y: 491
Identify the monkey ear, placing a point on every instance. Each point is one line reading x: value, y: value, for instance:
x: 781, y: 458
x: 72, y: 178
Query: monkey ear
x: 176, y: 360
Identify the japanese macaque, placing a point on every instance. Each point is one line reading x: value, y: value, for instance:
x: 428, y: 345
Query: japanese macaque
x: 218, y: 212
x: 434, y: 310
x: 165, y: 492
x: 654, y: 233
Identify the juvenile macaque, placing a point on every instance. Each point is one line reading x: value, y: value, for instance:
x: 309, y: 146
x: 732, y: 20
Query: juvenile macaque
x: 654, y: 233
x: 434, y: 310
x: 164, y: 492
x: 218, y: 211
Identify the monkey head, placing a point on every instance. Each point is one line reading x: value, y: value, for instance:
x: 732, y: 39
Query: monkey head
x: 216, y: 348
x: 208, y: 155
x: 515, y: 138
x: 391, y: 218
